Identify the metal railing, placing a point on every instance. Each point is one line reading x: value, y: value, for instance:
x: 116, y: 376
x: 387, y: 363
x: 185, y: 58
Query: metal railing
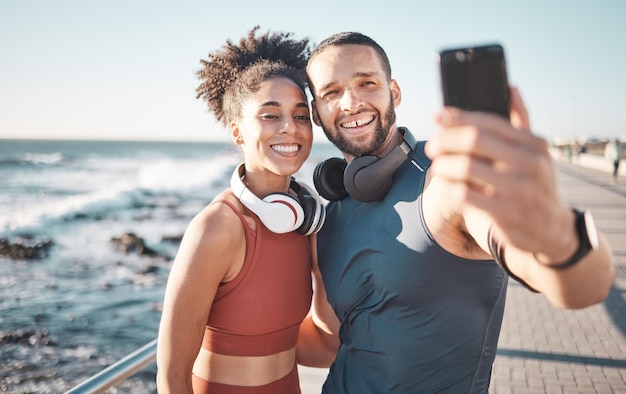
x: 118, y: 372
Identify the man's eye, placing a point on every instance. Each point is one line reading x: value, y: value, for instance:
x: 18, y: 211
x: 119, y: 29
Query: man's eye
x: 330, y: 94
x: 269, y: 116
x: 305, y: 118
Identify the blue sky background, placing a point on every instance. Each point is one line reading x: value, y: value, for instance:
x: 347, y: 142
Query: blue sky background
x: 126, y: 69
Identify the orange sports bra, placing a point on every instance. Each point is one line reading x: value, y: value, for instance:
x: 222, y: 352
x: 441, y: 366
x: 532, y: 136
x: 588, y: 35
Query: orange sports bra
x: 259, y: 312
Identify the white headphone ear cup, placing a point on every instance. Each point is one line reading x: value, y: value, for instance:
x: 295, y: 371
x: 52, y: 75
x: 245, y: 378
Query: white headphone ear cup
x: 283, y: 213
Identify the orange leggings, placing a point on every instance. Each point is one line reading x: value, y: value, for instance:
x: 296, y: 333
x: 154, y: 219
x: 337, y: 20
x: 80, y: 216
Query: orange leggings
x: 290, y: 384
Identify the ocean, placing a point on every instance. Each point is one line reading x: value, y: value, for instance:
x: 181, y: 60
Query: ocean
x: 82, y: 302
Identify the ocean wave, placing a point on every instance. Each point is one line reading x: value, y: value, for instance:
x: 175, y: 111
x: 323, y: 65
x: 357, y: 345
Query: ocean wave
x: 30, y: 159
x: 160, y: 177
x: 181, y: 175
x: 43, y: 158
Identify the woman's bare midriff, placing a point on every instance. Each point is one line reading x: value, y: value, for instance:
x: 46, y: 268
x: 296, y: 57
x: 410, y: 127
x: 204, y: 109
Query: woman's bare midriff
x: 243, y: 370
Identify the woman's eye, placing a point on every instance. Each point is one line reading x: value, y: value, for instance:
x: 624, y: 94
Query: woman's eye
x: 269, y: 116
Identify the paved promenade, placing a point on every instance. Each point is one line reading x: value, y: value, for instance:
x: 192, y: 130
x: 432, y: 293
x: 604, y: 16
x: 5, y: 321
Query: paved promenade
x: 544, y: 349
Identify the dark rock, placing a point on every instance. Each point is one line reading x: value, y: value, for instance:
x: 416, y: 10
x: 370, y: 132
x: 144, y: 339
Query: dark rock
x: 26, y: 248
x: 130, y: 242
x: 151, y: 269
x: 175, y: 239
x: 30, y: 337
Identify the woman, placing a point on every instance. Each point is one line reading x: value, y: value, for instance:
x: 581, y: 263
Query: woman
x: 241, y: 282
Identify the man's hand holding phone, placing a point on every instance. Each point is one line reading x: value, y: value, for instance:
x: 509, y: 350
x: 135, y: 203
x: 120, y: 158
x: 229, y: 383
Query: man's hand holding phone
x: 485, y: 156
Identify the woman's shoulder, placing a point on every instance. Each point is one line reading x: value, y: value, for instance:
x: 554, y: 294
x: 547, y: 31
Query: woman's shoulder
x: 212, y: 244
x: 220, y: 221
x: 226, y: 201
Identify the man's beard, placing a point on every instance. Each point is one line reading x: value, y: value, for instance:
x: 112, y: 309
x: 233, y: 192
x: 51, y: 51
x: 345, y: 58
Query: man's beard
x: 380, y: 134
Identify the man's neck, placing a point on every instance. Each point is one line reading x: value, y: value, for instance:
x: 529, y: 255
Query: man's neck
x: 391, y: 142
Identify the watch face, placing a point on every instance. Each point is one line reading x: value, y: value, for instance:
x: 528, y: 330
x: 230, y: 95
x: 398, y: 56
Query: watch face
x: 592, y: 232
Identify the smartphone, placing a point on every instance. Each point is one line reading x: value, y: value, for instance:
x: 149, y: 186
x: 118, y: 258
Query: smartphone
x: 475, y: 78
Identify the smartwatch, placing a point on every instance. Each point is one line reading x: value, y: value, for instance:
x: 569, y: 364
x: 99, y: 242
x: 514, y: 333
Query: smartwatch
x: 587, y: 239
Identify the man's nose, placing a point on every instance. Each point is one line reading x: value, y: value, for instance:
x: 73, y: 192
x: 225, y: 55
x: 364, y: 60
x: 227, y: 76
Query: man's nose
x: 350, y: 100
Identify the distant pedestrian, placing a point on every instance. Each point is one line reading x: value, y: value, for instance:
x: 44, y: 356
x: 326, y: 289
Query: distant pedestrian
x: 569, y: 151
x: 613, y: 153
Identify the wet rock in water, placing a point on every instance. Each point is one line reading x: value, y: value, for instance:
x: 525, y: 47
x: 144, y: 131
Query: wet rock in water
x: 175, y: 239
x: 150, y: 269
x: 25, y: 248
x: 31, y: 337
x: 130, y: 242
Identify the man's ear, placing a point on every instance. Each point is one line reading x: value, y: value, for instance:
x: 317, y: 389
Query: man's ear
x: 235, y: 133
x: 316, y: 116
x: 396, y: 94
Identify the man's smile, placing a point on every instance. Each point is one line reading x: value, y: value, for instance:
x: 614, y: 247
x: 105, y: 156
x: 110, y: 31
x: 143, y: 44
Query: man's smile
x: 358, y: 122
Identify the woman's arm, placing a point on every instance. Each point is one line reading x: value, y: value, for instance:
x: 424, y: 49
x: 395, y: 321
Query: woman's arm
x: 318, y: 340
x: 213, y: 241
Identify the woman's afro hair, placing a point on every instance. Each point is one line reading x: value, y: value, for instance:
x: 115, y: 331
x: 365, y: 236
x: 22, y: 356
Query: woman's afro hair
x: 237, y: 70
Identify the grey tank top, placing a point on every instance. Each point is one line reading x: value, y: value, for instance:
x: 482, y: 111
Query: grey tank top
x: 414, y: 318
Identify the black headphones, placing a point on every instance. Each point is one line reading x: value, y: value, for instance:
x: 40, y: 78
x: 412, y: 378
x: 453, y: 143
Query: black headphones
x: 366, y: 178
x: 282, y: 212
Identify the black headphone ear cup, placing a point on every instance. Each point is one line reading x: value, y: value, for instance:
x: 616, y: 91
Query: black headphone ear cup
x: 309, y: 205
x: 328, y: 179
x: 314, y: 210
x: 364, y: 182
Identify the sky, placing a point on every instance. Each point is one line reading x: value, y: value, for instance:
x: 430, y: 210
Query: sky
x: 126, y: 69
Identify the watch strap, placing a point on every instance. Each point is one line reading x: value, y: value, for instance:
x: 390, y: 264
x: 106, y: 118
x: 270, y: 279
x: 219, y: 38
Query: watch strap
x: 584, y: 244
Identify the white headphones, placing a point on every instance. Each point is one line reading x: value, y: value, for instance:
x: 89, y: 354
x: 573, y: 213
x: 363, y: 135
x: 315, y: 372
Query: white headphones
x: 282, y: 212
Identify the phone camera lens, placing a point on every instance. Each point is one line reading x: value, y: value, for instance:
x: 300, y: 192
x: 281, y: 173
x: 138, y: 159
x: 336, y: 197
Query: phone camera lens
x: 460, y: 56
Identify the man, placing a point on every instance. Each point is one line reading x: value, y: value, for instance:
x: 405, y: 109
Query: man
x: 613, y: 152
x: 410, y: 273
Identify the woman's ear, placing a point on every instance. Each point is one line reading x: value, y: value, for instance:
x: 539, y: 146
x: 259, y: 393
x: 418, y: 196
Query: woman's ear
x: 235, y: 133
